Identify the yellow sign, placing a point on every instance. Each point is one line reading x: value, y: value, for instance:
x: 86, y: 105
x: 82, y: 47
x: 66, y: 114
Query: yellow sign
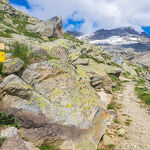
x: 2, y: 46
x: 2, y: 56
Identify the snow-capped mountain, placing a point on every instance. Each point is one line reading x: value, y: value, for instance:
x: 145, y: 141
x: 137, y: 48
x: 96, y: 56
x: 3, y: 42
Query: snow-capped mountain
x: 118, y: 39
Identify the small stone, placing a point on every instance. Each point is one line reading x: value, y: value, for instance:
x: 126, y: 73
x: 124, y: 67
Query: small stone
x: 107, y: 140
x: 9, y: 132
x: 121, y: 131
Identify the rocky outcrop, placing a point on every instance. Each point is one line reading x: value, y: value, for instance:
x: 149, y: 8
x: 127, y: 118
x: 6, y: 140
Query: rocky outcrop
x: 49, y: 28
x: 62, y: 49
x: 55, y: 100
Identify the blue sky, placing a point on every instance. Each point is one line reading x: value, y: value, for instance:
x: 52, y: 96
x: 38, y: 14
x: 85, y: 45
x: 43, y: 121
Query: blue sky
x: 90, y: 15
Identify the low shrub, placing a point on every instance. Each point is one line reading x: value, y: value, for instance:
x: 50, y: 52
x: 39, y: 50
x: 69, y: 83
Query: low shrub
x: 22, y: 52
x: 143, y: 94
x: 116, y: 80
x: 8, y: 120
x: 87, y: 56
x: 2, y: 140
x: 73, y: 38
x: 6, y: 35
x: 45, y: 146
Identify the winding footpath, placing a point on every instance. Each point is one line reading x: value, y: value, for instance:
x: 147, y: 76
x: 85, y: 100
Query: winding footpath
x: 138, y: 132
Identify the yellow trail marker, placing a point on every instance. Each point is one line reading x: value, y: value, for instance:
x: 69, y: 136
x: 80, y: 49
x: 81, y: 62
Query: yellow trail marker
x: 2, y: 46
x: 2, y: 56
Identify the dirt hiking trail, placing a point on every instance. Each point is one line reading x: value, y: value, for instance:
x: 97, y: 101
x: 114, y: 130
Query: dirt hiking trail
x: 138, y: 131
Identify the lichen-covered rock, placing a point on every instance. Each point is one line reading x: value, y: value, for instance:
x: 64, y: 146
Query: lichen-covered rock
x: 111, y: 69
x: 97, y: 75
x: 95, y: 52
x: 50, y: 28
x: 55, y: 102
x: 12, y: 65
x: 62, y: 49
x: 83, y: 62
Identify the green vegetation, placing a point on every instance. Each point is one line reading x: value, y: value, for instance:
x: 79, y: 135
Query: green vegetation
x: 101, y: 149
x: 120, y: 135
x: 138, y: 70
x: 112, y: 146
x: 87, y: 56
x: 6, y: 35
x: 45, y: 146
x: 114, y: 64
x: 73, y: 39
x: 116, y: 121
x: 117, y: 81
x: 22, y: 52
x: 106, y: 56
x: 51, y: 57
x: 1, y: 68
x: 143, y: 94
x: 2, y: 140
x: 8, y: 120
x: 32, y: 34
x: 127, y: 74
x: 128, y: 122
x: 113, y: 105
x: 9, y: 31
x: 140, y: 81
x: 53, y: 39
x: 2, y: 16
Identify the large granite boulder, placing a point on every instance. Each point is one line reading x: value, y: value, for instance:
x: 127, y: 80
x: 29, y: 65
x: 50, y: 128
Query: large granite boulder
x: 54, y: 102
x: 50, y: 28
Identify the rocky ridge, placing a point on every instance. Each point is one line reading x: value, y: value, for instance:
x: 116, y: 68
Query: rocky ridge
x: 123, y: 42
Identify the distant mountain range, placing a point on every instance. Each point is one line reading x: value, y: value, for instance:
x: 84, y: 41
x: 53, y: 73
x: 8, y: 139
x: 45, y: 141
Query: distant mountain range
x: 125, y: 38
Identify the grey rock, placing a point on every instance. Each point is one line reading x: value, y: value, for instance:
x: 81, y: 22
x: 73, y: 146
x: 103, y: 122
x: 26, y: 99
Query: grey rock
x: 84, y: 62
x: 49, y: 28
x: 118, y: 60
x: 9, y: 132
x: 147, y: 76
x: 55, y: 102
x: 8, y: 21
x: 12, y: 65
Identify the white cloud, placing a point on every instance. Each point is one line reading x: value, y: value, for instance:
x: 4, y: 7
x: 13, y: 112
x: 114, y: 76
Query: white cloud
x: 106, y: 13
